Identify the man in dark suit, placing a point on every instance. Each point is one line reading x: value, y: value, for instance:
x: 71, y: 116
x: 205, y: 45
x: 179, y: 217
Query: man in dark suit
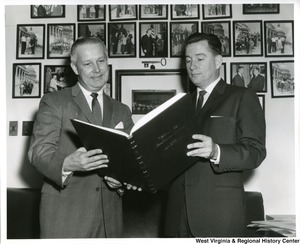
x: 147, y: 42
x: 76, y: 202
x: 238, y: 79
x: 208, y: 199
x: 257, y: 81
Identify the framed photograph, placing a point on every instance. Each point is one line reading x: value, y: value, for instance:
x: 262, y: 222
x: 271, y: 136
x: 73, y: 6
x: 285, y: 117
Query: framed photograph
x: 122, y: 40
x: 248, y: 39
x: 153, y: 39
x: 27, y: 128
x: 262, y: 101
x: 128, y: 81
x: 60, y: 39
x: 216, y: 11
x: 13, y: 128
x: 279, y: 36
x: 156, y: 12
x: 108, y: 85
x: 92, y: 29
x: 91, y: 12
x: 122, y: 12
x: 282, y: 78
x: 47, y: 11
x: 222, y: 30
x: 185, y: 11
x: 30, y: 41
x: 261, y: 8
x: 144, y: 101
x: 252, y: 75
x: 26, y: 80
x: 179, y: 32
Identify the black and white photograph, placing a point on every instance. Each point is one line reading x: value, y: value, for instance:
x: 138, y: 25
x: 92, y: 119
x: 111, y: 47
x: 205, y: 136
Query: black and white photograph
x: 216, y: 11
x: 279, y: 38
x: 222, y: 29
x: 122, y: 12
x: 92, y: 29
x: 261, y: 8
x: 122, y: 40
x: 153, y: 11
x: 47, y: 11
x: 26, y: 80
x: 282, y: 78
x: 179, y: 32
x: 91, y: 12
x: 248, y: 38
x: 60, y: 40
x: 30, y: 41
x: 13, y: 128
x: 251, y: 75
x: 27, y: 127
x: 185, y: 11
x: 144, y: 101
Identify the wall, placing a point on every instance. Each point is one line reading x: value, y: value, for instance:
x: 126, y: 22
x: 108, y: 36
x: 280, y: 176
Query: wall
x: 274, y: 178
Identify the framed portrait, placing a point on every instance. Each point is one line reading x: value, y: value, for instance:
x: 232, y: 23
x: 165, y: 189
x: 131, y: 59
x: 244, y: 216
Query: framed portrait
x: 91, y: 12
x: 261, y: 8
x: 282, y: 78
x: 179, y: 32
x: 222, y: 30
x: 153, y: 39
x: 248, y: 39
x: 153, y: 11
x: 279, y: 38
x: 47, y: 11
x: 26, y: 80
x: 216, y: 11
x: 262, y: 101
x: 185, y: 11
x: 122, y: 40
x: 60, y: 39
x: 251, y: 75
x: 108, y: 85
x: 13, y: 128
x: 30, y: 41
x: 27, y: 128
x: 92, y: 29
x: 122, y: 12
x: 128, y: 81
x: 144, y: 101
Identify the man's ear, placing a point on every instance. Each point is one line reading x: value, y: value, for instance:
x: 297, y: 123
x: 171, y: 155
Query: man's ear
x: 219, y: 61
x: 74, y: 68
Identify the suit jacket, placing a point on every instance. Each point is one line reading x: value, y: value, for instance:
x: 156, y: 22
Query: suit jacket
x: 214, y: 194
x: 238, y: 81
x: 257, y: 83
x: 67, y: 211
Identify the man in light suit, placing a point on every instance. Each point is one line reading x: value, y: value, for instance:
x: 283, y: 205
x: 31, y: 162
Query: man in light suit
x: 76, y: 202
x: 257, y: 82
x: 208, y: 199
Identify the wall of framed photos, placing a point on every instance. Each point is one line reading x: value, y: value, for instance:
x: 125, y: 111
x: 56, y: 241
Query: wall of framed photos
x: 37, y: 48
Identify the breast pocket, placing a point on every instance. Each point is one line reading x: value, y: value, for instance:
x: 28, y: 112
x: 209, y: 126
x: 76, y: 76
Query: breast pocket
x: 222, y: 129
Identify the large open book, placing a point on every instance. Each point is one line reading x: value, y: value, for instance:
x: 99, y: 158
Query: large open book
x: 154, y: 152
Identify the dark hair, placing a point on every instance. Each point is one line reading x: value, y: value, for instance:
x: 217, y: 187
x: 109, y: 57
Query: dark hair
x: 213, y: 41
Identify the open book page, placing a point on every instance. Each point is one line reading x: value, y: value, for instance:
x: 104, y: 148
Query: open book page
x: 149, y: 116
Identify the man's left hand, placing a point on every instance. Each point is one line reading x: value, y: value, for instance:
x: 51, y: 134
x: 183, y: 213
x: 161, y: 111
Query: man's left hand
x: 204, y: 147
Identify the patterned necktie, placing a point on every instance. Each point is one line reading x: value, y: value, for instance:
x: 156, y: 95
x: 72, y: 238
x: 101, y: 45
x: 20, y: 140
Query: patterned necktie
x: 200, y: 100
x: 96, y: 109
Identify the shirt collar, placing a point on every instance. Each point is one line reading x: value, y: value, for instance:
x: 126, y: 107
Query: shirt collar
x: 210, y: 87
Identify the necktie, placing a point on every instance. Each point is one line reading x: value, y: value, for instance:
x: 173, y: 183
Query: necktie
x: 96, y: 109
x: 200, y: 100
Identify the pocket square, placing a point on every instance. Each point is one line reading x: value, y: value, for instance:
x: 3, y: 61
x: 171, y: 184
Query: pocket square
x: 120, y: 126
x: 216, y: 116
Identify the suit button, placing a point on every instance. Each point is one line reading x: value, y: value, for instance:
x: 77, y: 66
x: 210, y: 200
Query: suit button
x: 98, y: 189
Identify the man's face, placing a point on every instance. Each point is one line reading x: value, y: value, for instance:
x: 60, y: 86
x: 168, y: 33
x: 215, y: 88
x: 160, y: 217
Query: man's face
x: 201, y: 64
x: 91, y: 66
x: 255, y: 72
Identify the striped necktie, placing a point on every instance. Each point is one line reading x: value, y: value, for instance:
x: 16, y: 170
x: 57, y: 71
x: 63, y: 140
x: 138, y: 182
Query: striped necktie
x: 96, y: 109
x: 200, y: 100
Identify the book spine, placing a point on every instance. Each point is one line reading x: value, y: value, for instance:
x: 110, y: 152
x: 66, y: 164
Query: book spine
x: 142, y: 166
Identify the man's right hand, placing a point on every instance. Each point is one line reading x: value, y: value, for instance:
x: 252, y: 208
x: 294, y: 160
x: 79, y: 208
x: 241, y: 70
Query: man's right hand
x: 83, y: 160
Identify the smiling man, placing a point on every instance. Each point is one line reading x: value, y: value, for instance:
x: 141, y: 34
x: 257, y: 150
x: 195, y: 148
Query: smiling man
x: 76, y: 201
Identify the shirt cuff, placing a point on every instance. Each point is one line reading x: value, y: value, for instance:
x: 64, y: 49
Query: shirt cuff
x: 217, y: 160
x: 64, y: 176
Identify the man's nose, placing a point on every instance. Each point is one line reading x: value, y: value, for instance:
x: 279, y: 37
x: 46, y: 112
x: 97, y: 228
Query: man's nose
x: 96, y: 68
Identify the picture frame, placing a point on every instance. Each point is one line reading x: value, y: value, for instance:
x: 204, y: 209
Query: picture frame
x: 91, y: 12
x: 13, y: 128
x: 153, y: 39
x: 122, y: 40
x: 47, y: 11
x: 27, y: 128
x: 122, y: 12
x: 261, y: 8
x: 222, y: 29
x: 249, y: 74
x: 216, y: 11
x: 282, y: 78
x: 92, y: 29
x: 185, y: 11
x: 26, y: 80
x: 248, y: 38
x: 261, y: 98
x: 179, y: 32
x: 151, y: 11
x: 30, y: 41
x: 279, y: 38
x: 144, y: 101
x: 60, y: 39
x: 128, y: 80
